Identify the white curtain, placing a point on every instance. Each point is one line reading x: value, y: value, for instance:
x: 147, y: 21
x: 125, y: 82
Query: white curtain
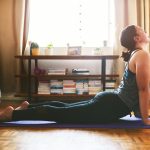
x: 143, y: 15
x: 87, y: 23
x: 125, y: 14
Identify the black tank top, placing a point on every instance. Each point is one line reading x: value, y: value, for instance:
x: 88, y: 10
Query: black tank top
x: 128, y: 90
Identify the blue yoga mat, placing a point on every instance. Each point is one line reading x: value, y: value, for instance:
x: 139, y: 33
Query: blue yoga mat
x: 125, y: 122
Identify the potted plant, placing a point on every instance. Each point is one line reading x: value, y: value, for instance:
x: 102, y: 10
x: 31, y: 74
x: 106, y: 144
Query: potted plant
x: 97, y: 51
x: 34, y: 48
x: 48, y: 49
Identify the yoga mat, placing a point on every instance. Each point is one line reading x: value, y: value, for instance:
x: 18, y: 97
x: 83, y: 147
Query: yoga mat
x: 125, y: 122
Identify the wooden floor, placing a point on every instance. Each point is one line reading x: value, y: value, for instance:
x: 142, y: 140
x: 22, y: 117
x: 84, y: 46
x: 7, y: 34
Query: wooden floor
x: 21, y: 138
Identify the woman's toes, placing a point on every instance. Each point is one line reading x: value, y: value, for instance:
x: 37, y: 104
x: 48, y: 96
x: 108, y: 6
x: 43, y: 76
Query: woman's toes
x: 24, y: 105
x: 6, y: 114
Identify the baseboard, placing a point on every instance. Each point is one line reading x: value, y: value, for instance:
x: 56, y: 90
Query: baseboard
x: 10, y: 97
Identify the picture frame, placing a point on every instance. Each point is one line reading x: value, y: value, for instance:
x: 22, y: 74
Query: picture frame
x: 74, y: 50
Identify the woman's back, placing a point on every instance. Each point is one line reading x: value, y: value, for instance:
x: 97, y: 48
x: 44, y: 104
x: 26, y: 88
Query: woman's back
x: 128, y: 90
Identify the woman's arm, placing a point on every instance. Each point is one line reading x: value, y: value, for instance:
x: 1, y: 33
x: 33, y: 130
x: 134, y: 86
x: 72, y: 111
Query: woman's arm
x: 142, y: 65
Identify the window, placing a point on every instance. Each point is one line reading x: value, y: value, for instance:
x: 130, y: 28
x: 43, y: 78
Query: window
x: 86, y: 23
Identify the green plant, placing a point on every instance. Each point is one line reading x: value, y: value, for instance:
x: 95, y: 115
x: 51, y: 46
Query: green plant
x: 49, y: 46
x: 34, y: 45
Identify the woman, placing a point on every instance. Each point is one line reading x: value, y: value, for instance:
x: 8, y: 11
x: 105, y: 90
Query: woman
x: 133, y: 94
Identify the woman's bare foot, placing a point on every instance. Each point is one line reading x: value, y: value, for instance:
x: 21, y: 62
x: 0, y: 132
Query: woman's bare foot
x: 24, y: 105
x: 6, y: 114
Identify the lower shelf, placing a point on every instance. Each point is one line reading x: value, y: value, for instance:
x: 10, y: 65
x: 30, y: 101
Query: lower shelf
x: 51, y: 95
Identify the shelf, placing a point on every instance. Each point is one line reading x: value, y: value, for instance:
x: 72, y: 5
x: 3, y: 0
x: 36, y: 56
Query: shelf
x: 102, y: 75
x: 52, y: 95
x: 107, y: 87
x: 67, y: 57
x: 67, y: 76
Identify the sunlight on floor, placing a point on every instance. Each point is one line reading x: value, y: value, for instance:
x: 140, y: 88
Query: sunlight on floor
x: 68, y: 139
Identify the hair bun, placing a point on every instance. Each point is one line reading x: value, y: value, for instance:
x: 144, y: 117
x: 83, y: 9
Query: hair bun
x: 126, y: 56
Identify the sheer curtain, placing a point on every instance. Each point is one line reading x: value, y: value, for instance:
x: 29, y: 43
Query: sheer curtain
x: 135, y: 12
x: 143, y: 15
x: 127, y: 10
x: 77, y: 22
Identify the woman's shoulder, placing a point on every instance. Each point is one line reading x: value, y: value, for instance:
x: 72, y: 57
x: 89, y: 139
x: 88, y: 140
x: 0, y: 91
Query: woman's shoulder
x: 139, y: 55
x: 142, y: 55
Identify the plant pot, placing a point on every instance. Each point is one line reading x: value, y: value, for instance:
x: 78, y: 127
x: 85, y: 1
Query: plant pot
x: 48, y: 51
x: 35, y: 51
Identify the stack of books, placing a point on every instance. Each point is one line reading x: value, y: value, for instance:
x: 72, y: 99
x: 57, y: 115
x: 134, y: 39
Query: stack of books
x: 95, y: 86
x: 57, y: 71
x: 79, y: 87
x: 56, y: 86
x: 43, y: 87
x: 82, y: 87
x: 110, y: 85
x: 80, y: 71
x: 69, y: 87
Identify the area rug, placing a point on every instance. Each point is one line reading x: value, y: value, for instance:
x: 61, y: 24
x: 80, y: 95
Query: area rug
x: 126, y: 122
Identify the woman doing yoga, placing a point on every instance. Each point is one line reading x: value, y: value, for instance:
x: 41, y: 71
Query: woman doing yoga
x: 133, y: 93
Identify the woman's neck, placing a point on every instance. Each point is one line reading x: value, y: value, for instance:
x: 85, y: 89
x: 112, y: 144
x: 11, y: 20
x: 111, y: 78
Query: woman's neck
x: 141, y: 46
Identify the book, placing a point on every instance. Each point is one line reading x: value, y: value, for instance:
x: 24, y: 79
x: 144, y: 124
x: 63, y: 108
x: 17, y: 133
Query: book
x: 80, y: 71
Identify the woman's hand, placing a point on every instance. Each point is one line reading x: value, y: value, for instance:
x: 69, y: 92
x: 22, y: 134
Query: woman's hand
x: 137, y: 114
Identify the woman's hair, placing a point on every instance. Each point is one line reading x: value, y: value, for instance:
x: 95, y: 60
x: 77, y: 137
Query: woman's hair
x: 127, y: 41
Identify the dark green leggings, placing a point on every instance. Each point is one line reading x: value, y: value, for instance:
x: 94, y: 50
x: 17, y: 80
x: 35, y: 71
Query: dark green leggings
x: 103, y: 108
